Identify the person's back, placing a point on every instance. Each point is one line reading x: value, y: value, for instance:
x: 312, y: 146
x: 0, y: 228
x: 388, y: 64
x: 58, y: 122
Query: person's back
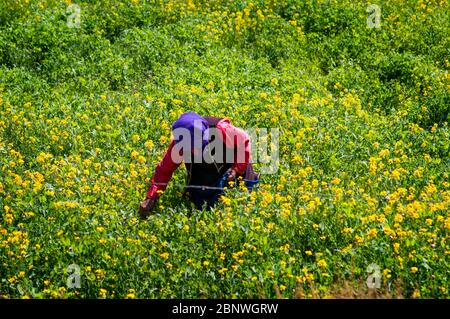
x: 211, y: 149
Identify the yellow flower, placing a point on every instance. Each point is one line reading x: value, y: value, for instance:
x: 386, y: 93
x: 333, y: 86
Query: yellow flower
x: 371, y: 233
x: 102, y: 293
x: 396, y: 174
x: 210, y: 85
x: 321, y: 263
x: 336, y: 181
x: 135, y: 138
x: 141, y: 160
x: 383, y: 153
x: 177, y: 102
x: 347, y: 230
x: 225, y: 200
x: 414, y: 269
x: 134, y: 154
x: 164, y: 255
x: 9, y: 218
x: 285, y: 213
x: 358, y: 239
x: 274, y: 82
x: 149, y: 145
x: 398, y: 218
x: 223, y: 270
x: 163, y: 139
x: 285, y: 248
x: 131, y: 294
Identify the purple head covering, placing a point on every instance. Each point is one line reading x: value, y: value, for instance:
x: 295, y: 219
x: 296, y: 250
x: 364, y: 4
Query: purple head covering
x: 197, y: 127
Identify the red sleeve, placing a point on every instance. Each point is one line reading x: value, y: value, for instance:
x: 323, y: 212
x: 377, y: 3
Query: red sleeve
x: 163, y: 173
x: 241, y: 166
x: 235, y: 137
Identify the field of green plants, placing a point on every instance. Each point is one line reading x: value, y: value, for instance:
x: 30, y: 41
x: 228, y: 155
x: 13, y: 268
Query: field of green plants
x: 89, y: 90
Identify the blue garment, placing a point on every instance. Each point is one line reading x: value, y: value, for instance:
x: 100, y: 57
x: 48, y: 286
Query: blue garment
x: 210, y: 195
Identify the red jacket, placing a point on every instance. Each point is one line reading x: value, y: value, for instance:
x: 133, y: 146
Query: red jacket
x: 232, y: 136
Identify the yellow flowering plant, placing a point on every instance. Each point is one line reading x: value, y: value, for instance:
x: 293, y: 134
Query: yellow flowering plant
x: 363, y: 174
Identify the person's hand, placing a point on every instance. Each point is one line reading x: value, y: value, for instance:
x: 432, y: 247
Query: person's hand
x: 146, y: 207
x: 232, y: 175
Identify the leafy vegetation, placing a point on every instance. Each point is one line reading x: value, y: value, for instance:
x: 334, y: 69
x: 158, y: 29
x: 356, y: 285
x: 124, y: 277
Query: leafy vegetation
x: 85, y: 116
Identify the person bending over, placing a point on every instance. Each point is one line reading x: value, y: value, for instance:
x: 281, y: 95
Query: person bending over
x: 214, y: 153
